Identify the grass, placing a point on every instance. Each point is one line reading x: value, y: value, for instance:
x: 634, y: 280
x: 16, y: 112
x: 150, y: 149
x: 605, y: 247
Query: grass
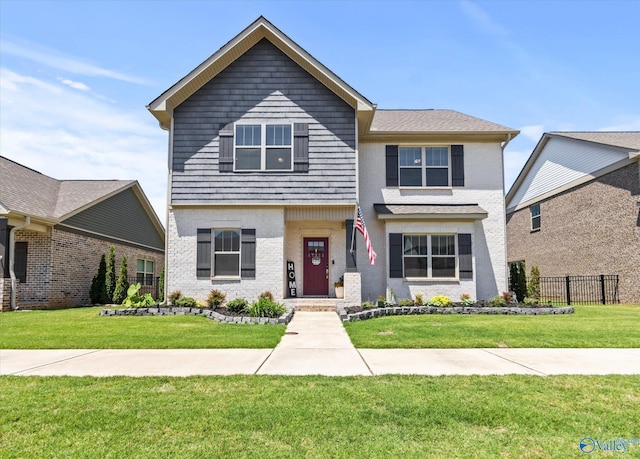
x: 589, y: 327
x: 315, y: 417
x: 83, y: 328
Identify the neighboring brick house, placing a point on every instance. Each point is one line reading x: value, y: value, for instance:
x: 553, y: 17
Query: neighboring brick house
x: 575, y: 208
x: 60, y: 229
x: 269, y: 151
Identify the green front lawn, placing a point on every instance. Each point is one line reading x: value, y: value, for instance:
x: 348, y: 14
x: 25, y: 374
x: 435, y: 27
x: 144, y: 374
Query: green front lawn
x: 84, y: 328
x: 316, y: 417
x: 590, y: 326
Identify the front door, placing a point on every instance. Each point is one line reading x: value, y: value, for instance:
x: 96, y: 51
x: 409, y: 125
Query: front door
x: 316, y: 266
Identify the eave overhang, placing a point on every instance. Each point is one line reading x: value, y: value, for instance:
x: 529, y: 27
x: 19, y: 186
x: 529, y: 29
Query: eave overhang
x: 430, y: 212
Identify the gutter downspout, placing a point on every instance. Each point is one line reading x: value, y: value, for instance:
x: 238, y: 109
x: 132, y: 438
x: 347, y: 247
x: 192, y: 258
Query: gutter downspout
x: 12, y: 253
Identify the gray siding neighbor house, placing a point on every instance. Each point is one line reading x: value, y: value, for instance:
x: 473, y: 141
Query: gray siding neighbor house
x: 575, y: 208
x: 55, y: 231
x: 269, y: 154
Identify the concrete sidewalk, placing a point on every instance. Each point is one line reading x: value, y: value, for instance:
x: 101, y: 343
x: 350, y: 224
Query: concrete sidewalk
x: 316, y: 343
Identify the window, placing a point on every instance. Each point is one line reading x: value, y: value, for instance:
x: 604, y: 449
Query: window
x: 424, y: 166
x: 429, y: 255
x: 144, y: 271
x: 260, y: 147
x: 20, y: 261
x: 535, y: 217
x: 226, y: 253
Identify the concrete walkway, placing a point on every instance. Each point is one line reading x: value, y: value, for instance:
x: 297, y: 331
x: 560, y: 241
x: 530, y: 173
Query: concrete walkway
x: 316, y: 343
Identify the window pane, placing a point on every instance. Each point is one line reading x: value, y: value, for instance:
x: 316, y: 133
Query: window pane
x: 415, y: 266
x: 415, y: 245
x: 140, y: 266
x: 278, y: 134
x: 437, y: 156
x: 279, y: 158
x: 535, y: 222
x: 443, y: 245
x: 443, y: 267
x: 248, y: 134
x: 226, y: 264
x: 227, y: 241
x: 149, y: 267
x: 437, y: 177
x: 247, y: 158
x: 410, y: 157
x: 410, y: 176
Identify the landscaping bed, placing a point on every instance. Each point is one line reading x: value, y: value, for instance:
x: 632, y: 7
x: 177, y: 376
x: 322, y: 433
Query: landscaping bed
x: 220, y: 314
x: 353, y: 313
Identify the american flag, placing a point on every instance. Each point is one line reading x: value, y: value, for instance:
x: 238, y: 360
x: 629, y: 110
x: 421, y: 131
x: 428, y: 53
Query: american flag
x: 362, y: 228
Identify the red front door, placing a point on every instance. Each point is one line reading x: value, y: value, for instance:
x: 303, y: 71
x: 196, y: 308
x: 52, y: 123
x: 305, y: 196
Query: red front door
x: 316, y: 266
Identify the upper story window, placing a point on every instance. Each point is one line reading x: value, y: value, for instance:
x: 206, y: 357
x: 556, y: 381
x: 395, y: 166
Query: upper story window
x: 424, y: 166
x: 263, y: 147
x: 535, y: 217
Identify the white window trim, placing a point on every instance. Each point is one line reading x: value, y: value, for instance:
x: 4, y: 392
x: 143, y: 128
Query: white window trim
x: 538, y: 215
x: 424, y: 167
x: 213, y: 254
x: 429, y: 256
x: 263, y: 146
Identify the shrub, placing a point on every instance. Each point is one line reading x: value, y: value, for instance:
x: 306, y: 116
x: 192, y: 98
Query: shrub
x: 531, y: 301
x: 268, y: 295
x: 161, y: 286
x: 133, y: 300
x: 466, y: 299
x: 534, y: 283
x: 186, y: 302
x: 174, y: 296
x: 497, y: 301
x: 264, y: 307
x: 340, y: 282
x: 405, y: 302
x: 122, y: 284
x: 215, y: 298
x: 518, y: 279
x: 419, y: 301
x: 440, y: 301
x: 110, y: 276
x: 98, y: 292
x: 238, y: 305
x: 508, y: 297
x: 368, y: 305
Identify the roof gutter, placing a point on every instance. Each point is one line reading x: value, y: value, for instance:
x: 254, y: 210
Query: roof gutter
x: 506, y: 142
x: 12, y: 256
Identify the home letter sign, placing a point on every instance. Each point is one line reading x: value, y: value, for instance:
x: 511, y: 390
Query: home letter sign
x: 291, y: 280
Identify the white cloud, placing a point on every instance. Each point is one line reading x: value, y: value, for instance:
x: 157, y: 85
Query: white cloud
x: 74, y: 84
x: 67, y: 134
x: 57, y: 60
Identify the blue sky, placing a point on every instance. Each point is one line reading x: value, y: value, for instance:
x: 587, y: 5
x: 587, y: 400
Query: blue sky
x: 76, y: 76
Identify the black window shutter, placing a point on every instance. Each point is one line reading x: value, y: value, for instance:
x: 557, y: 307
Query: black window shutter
x: 20, y: 261
x: 203, y: 254
x: 457, y: 165
x: 248, y: 261
x: 465, y: 263
x: 301, y: 147
x: 351, y: 257
x: 395, y: 255
x: 392, y: 165
x: 225, y: 157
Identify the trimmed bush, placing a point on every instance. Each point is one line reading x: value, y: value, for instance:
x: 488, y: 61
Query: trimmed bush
x: 405, y: 302
x: 419, y: 301
x: 534, y: 283
x: 174, y: 296
x: 441, y: 301
x: 98, y: 292
x: 110, y: 276
x: 186, y: 302
x: 161, y: 286
x: 497, y: 301
x: 238, y: 305
x: 265, y: 307
x: 122, y: 284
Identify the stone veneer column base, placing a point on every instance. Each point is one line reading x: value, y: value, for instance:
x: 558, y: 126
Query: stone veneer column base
x: 352, y: 289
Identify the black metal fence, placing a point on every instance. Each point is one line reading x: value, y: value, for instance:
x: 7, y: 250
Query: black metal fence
x: 599, y: 289
x: 148, y: 284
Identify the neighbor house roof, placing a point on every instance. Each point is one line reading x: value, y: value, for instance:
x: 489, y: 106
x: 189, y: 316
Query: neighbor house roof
x: 553, y: 168
x: 162, y: 107
x: 47, y: 201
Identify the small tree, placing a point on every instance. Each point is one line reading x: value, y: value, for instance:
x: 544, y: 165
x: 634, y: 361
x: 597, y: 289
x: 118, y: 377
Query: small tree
x: 98, y: 293
x: 161, y: 286
x: 518, y: 279
x: 110, y: 278
x: 534, y: 283
x: 122, y: 284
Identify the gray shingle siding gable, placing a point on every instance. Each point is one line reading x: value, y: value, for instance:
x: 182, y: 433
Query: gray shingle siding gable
x: 122, y: 217
x: 264, y: 85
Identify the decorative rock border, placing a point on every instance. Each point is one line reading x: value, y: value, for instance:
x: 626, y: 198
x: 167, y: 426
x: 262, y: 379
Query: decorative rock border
x: 209, y: 313
x: 399, y: 310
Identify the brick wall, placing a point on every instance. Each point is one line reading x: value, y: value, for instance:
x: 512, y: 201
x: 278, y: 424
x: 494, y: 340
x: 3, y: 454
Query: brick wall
x: 61, y: 265
x: 591, y: 229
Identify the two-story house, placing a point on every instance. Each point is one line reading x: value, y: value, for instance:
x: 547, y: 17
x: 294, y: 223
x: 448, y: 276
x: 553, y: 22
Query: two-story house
x: 269, y: 152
